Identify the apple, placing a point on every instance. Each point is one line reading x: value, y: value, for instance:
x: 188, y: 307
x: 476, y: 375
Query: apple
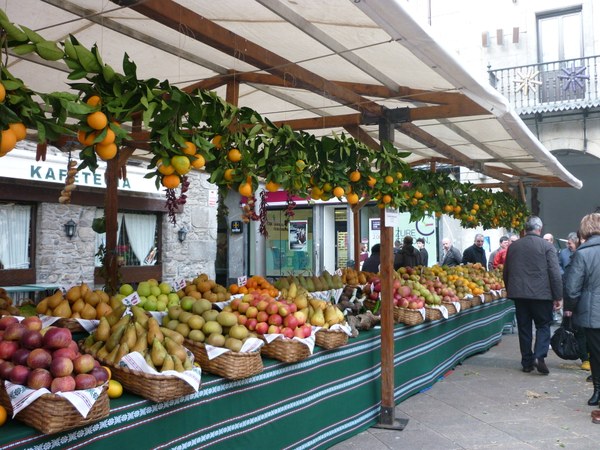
x: 235, y: 303
x: 272, y: 308
x: 261, y: 327
x: 283, y: 309
x: 251, y: 324
x: 6, y: 321
x: 292, y: 308
x: 298, y: 332
x: 274, y: 329
x: 33, y: 323
x: 252, y: 312
x: 275, y: 319
x: 287, y: 332
x: 7, y: 348
x: 301, y: 317
x: 243, y: 307
x: 262, y: 316
x: 61, y: 367
x: 262, y: 305
x: 307, y: 330
x: 290, y: 321
x: 242, y: 319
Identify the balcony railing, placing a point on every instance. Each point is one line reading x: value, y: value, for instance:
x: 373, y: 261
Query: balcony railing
x: 559, y: 85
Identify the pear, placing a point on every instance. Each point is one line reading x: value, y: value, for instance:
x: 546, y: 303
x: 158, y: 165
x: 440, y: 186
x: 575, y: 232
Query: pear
x: 158, y: 353
x: 168, y: 363
x: 318, y: 319
x: 102, y: 333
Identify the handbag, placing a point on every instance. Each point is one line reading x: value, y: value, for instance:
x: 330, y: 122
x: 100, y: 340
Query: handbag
x: 563, y: 341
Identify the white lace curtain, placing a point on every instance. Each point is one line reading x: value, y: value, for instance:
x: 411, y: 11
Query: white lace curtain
x: 101, y: 238
x: 141, y: 229
x: 14, y: 236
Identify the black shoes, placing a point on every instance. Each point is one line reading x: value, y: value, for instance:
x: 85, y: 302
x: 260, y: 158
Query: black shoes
x: 541, y: 366
x: 527, y: 369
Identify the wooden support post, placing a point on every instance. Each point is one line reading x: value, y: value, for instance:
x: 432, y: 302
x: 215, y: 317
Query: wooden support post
x: 387, y: 417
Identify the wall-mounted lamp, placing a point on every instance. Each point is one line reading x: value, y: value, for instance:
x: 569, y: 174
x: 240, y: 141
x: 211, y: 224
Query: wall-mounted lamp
x: 181, y: 234
x: 70, y: 227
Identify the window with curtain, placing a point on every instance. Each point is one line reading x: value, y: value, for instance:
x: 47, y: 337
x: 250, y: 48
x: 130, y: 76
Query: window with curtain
x: 15, y: 225
x: 137, y: 239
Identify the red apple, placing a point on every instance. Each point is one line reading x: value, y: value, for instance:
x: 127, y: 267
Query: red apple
x: 298, y: 332
x: 262, y: 316
x: 287, y: 332
x: 83, y: 363
x: 38, y: 379
x: 63, y: 384
x: 19, y: 374
x: 261, y: 327
x: 19, y: 357
x: 292, y: 308
x: 272, y: 308
x: 61, y: 367
x: 290, y: 321
x: 39, y: 358
x: 14, y: 332
x: 85, y: 381
x: 6, y: 321
x: 242, y: 319
x: 66, y: 352
x: 100, y: 374
x: 31, y: 339
x: 307, y: 330
x: 56, y: 338
x: 7, y: 348
x: 32, y: 323
x: 252, y: 312
x: 275, y: 319
x: 251, y: 324
x: 235, y: 303
x: 6, y: 368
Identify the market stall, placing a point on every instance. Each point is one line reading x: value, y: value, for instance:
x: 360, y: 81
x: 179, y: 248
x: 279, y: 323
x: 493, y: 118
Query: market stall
x: 311, y: 404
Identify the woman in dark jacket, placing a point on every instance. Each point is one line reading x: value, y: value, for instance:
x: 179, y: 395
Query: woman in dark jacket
x: 409, y: 256
x: 582, y: 295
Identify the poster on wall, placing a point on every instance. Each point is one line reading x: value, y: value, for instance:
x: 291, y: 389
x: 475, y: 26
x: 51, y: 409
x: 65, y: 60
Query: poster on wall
x: 297, y: 232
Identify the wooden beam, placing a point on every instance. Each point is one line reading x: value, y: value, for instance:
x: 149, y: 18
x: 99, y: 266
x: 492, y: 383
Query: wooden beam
x: 195, y: 26
x: 319, y: 123
x: 362, y: 136
x: 439, y: 146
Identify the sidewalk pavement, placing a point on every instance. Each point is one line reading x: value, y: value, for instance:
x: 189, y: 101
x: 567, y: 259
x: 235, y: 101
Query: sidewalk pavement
x: 487, y: 402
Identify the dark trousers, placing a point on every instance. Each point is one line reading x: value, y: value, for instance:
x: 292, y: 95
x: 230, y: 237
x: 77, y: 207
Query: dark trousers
x: 592, y: 337
x: 581, y: 343
x: 538, y: 312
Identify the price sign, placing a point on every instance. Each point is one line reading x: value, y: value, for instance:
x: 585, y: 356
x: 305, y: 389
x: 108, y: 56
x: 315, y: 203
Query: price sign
x: 132, y: 299
x: 178, y: 285
x: 242, y: 280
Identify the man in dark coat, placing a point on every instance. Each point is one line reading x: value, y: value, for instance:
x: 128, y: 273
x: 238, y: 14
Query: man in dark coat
x: 371, y: 264
x: 409, y: 256
x: 533, y: 281
x: 475, y: 253
x: 450, y: 255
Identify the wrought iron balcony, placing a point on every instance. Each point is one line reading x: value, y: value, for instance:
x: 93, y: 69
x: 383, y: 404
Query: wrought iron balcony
x: 554, y: 86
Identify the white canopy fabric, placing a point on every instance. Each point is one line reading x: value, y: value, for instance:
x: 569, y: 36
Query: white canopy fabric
x: 320, y: 65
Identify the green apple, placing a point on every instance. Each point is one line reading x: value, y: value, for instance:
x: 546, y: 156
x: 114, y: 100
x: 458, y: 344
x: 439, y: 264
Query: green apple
x: 187, y: 302
x: 162, y: 298
x: 143, y: 289
x: 126, y: 289
x: 165, y: 288
x: 153, y: 282
x: 155, y: 290
x: 161, y: 305
x: 150, y: 304
x: 142, y: 301
x: 173, y: 298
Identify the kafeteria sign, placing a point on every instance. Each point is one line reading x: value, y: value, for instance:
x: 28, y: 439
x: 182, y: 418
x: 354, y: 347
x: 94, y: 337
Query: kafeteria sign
x: 21, y: 164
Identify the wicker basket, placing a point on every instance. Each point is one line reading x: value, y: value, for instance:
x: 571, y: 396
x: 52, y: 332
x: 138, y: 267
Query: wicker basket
x: 488, y: 297
x: 330, y: 339
x: 51, y: 413
x: 230, y: 365
x: 476, y: 300
x: 158, y: 388
x: 465, y: 303
x: 450, y: 307
x: 408, y: 316
x: 71, y: 324
x: 432, y: 314
x: 286, y: 350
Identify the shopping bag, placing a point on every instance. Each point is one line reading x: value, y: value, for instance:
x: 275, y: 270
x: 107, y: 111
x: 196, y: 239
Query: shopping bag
x: 563, y: 341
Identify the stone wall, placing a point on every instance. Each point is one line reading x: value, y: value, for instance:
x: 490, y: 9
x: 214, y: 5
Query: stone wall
x: 65, y: 262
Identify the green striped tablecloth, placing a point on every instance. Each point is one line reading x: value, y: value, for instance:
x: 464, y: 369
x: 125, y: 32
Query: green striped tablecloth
x: 315, y: 403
